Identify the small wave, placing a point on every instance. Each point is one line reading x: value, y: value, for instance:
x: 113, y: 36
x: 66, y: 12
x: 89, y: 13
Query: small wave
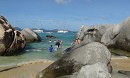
x: 8, y: 65
x: 27, y: 50
x: 33, y: 50
x: 36, y: 50
x: 120, y: 57
x: 34, y: 62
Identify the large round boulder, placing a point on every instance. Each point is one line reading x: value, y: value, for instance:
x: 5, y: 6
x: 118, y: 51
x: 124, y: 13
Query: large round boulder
x: 30, y: 35
x: 87, y: 55
x: 97, y: 70
x: 11, y: 40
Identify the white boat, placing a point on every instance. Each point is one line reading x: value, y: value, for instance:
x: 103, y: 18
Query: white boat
x: 62, y: 31
x: 38, y: 31
x: 48, y: 32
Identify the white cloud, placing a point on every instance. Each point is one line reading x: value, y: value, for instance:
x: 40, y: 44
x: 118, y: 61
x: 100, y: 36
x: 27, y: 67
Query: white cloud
x: 62, y: 1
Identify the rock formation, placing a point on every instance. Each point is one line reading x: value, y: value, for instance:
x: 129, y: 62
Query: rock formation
x: 118, y: 36
x: 50, y: 36
x: 81, y: 32
x: 11, y: 40
x: 89, y: 61
x: 87, y: 35
x: 124, y: 72
x: 30, y: 35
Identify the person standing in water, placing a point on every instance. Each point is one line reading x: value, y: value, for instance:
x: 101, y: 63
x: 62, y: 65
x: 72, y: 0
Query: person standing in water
x: 58, y: 43
x: 51, y: 48
x: 49, y: 41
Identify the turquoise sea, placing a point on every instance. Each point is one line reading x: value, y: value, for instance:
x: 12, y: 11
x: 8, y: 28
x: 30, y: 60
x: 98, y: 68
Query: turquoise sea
x: 38, y: 51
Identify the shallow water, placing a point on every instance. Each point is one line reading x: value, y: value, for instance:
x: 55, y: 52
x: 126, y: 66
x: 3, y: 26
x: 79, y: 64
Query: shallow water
x: 39, y: 50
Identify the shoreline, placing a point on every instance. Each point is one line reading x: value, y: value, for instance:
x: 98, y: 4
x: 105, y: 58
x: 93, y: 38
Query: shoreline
x: 31, y: 69
x: 28, y: 70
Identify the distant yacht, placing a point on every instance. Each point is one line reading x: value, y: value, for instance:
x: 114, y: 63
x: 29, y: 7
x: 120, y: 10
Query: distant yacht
x: 62, y: 31
x: 48, y: 32
x: 38, y: 31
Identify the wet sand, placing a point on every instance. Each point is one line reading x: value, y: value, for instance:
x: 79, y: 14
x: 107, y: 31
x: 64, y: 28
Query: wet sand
x: 31, y: 70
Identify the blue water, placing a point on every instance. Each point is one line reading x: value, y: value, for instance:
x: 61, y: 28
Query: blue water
x: 39, y: 50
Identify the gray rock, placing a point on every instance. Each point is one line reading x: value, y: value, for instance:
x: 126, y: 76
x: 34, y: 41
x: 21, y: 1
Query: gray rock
x: 111, y: 33
x: 102, y: 28
x: 11, y: 40
x: 124, y: 72
x: 50, y: 36
x: 90, y: 35
x: 98, y: 70
x: 118, y: 36
x: 30, y: 35
x: 89, y: 54
x: 114, y: 36
x: 81, y: 32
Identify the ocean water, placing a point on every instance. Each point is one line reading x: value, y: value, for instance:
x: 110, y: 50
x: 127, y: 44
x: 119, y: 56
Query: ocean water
x: 38, y: 51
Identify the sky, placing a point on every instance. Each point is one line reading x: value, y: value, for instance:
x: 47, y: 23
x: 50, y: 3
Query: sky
x: 64, y: 14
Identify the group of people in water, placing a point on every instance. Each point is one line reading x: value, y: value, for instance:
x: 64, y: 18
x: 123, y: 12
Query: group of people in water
x: 57, y: 45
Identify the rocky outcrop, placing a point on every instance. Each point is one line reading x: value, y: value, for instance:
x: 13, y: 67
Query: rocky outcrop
x: 86, y: 36
x: 30, y: 35
x: 50, y: 36
x: 124, y: 72
x: 81, y: 32
x: 98, y: 70
x: 102, y: 28
x: 89, y: 60
x: 11, y: 40
x: 118, y: 36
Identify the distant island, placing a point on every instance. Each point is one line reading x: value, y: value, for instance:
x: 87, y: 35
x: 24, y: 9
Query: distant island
x: 42, y: 29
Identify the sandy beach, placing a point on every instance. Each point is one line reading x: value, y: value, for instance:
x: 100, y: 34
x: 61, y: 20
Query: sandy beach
x: 29, y: 70
x: 120, y: 64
